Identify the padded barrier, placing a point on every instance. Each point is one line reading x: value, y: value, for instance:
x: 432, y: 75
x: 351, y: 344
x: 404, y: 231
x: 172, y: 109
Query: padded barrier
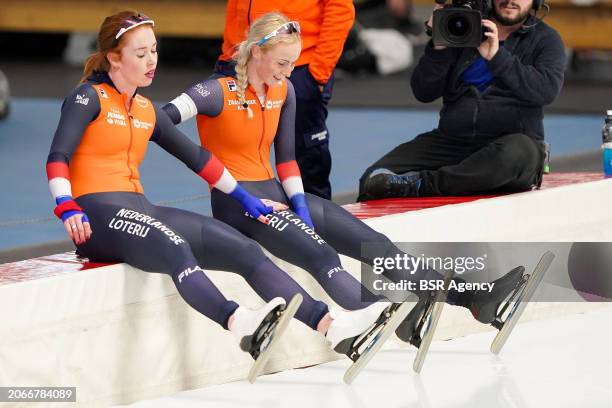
x: 120, y: 335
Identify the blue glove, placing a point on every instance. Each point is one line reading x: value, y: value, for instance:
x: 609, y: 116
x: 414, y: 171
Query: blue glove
x: 298, y: 202
x: 253, y: 205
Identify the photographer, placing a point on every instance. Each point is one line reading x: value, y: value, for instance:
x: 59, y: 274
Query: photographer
x: 490, y: 133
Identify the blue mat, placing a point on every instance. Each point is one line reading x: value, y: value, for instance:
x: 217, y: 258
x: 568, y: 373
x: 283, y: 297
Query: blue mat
x: 358, y: 137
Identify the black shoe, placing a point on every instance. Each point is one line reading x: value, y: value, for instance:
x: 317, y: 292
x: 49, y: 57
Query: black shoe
x: 484, y: 305
x: 393, y: 185
x: 406, y: 329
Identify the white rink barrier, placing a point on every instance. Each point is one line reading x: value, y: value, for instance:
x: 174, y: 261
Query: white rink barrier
x: 120, y: 335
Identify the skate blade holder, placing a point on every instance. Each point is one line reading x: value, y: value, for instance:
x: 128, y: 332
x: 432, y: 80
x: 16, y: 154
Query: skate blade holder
x: 510, y: 304
x: 353, y: 347
x: 525, y: 293
x: 425, y: 329
x: 255, y: 343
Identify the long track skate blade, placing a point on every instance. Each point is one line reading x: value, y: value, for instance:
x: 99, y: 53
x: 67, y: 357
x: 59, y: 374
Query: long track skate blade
x: 515, y: 314
x: 395, y: 320
x: 432, y: 323
x: 281, y: 326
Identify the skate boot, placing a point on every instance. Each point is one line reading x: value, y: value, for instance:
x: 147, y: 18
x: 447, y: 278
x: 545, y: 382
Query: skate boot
x: 360, y: 334
x: 484, y: 305
x: 258, y: 331
x: 420, y: 324
x: 386, y: 185
x: 346, y: 325
x: 407, y: 328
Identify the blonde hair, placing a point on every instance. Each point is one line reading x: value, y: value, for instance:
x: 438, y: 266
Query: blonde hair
x: 258, y: 30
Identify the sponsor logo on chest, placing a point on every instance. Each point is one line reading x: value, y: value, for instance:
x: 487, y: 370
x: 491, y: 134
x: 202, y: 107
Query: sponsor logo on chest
x: 269, y: 104
x: 231, y: 85
x: 115, y: 117
x: 274, y: 104
x: 139, y: 124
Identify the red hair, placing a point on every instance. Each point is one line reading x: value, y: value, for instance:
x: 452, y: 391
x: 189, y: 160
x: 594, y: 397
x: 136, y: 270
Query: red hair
x: 107, y: 42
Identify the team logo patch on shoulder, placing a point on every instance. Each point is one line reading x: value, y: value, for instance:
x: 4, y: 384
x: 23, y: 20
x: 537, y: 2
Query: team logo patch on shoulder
x: 82, y: 99
x: 202, y: 90
x: 142, y: 102
x: 231, y: 85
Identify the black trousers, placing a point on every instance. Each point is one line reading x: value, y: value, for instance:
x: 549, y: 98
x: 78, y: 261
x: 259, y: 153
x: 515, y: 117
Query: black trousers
x: 452, y: 165
x: 311, y: 133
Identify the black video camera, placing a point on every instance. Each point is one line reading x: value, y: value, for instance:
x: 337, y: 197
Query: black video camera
x: 460, y: 24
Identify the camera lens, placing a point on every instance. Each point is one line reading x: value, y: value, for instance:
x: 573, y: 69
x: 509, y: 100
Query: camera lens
x: 458, y: 26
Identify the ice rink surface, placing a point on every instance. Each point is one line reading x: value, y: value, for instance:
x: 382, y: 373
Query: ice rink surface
x: 561, y: 362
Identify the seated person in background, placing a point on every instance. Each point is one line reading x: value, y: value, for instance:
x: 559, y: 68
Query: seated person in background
x: 490, y: 133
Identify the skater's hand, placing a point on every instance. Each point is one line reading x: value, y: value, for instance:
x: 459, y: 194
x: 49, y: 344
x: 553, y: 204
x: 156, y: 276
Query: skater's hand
x: 300, y: 207
x: 74, y: 219
x: 254, y: 207
x: 78, y: 228
x: 304, y: 214
x: 276, y: 206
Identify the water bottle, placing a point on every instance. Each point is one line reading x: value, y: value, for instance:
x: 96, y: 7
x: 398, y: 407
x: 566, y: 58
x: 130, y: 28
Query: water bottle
x: 606, y: 137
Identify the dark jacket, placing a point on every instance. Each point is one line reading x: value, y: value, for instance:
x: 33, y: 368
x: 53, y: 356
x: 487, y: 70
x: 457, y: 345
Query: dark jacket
x: 528, y: 74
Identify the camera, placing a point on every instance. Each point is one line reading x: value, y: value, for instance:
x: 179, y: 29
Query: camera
x: 460, y: 24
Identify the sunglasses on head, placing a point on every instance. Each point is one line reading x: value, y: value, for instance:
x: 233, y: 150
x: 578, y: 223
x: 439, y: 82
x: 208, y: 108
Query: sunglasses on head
x: 133, y: 22
x: 286, y: 29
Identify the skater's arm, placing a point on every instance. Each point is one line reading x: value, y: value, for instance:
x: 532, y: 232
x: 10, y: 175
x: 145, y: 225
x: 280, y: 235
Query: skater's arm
x: 205, y: 164
x: 286, y: 166
x: 78, y: 110
x: 204, y: 98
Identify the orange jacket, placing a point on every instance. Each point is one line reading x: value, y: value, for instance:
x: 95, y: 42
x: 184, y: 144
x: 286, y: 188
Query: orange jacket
x: 240, y: 143
x: 324, y: 24
x: 113, y: 145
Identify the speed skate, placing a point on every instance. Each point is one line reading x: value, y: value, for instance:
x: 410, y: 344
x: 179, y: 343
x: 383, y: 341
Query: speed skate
x: 362, y: 348
x: 263, y: 341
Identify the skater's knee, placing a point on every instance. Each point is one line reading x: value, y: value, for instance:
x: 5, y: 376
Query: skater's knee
x: 250, y: 252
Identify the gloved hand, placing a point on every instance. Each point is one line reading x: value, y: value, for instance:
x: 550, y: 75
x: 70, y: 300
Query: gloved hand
x: 253, y: 205
x: 300, y: 207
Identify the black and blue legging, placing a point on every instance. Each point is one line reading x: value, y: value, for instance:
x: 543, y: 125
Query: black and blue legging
x: 128, y: 228
x: 341, y: 232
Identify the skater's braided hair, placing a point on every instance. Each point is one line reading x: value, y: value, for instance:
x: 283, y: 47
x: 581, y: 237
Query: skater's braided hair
x: 261, y: 28
x: 111, y: 37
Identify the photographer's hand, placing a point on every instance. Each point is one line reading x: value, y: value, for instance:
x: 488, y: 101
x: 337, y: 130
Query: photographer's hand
x: 489, y: 47
x: 429, y: 23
